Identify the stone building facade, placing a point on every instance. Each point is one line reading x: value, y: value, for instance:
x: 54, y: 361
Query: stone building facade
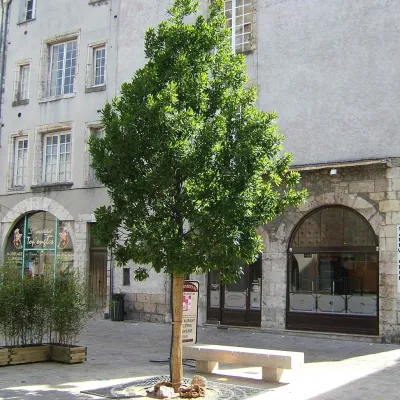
x: 329, y: 70
x: 370, y: 189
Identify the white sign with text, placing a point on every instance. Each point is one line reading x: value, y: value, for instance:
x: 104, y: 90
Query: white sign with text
x: 190, y: 304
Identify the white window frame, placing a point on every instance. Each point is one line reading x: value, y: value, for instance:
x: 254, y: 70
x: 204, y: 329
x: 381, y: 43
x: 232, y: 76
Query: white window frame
x: 67, y: 163
x: 92, y: 129
x: 245, y: 45
x: 27, y: 7
x: 16, y: 167
x: 18, y: 82
x: 33, y: 9
x: 96, y: 50
x: 93, y: 49
x: 64, y: 68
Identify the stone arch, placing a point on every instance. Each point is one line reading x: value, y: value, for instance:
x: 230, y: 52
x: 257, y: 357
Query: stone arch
x: 37, y: 204
x: 353, y: 201
x: 276, y: 237
x: 33, y: 204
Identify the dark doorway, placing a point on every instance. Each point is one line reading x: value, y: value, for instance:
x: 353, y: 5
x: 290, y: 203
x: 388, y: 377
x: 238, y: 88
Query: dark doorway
x: 238, y: 303
x: 97, y: 269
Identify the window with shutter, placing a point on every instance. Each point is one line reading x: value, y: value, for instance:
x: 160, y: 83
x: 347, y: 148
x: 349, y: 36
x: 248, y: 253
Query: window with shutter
x: 27, y: 10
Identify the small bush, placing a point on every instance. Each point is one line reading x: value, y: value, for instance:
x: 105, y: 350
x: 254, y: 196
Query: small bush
x: 43, y: 308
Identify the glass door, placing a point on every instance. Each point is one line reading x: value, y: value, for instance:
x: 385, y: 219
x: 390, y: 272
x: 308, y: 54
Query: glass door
x: 237, y: 303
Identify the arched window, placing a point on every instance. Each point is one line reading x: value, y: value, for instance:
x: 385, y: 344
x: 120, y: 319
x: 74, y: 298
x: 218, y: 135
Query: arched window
x: 39, y: 243
x: 333, y: 265
x: 334, y: 227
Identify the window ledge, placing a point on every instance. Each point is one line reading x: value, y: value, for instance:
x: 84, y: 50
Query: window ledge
x: 17, y: 189
x: 93, y: 185
x: 20, y: 103
x: 97, y: 2
x: 46, y: 187
x: 92, y: 89
x: 64, y: 96
x: 26, y: 21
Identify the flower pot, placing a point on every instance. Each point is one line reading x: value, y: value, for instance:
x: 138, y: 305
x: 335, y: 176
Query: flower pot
x: 29, y: 354
x: 4, y: 356
x: 68, y: 354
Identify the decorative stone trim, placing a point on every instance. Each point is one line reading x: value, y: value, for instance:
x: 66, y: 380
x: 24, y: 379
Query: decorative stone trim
x: 93, y: 89
x: 47, y: 187
x: 20, y: 103
x: 36, y: 204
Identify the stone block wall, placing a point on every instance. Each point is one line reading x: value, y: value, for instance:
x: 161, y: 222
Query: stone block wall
x: 148, y: 307
x: 371, y: 190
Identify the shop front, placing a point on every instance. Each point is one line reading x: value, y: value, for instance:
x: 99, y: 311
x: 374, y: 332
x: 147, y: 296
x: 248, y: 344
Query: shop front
x: 333, y: 273
x: 39, y: 243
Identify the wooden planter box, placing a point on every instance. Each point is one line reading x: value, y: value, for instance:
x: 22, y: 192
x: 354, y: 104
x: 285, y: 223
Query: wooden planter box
x: 4, y: 356
x: 29, y: 354
x: 68, y: 354
x: 42, y: 352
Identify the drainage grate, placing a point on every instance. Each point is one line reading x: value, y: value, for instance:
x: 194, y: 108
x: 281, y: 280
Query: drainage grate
x: 137, y: 389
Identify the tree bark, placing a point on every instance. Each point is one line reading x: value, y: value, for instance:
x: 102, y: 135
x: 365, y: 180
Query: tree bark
x: 176, y: 355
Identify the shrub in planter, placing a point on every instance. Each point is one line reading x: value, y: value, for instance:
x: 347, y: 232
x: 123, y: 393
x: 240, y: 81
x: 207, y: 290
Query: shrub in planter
x: 25, y: 308
x: 43, y: 309
x: 72, y: 306
x: 70, y: 309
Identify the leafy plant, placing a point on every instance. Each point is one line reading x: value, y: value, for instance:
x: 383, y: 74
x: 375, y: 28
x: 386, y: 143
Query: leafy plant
x: 35, y: 310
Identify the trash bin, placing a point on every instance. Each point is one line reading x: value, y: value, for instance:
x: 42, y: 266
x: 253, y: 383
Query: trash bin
x: 117, y: 309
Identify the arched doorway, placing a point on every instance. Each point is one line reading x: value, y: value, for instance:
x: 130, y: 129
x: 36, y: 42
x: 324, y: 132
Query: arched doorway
x: 333, y: 273
x: 39, y: 243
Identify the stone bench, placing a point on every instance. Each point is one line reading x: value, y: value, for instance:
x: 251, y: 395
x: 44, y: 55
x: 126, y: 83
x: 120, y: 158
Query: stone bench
x: 273, y: 362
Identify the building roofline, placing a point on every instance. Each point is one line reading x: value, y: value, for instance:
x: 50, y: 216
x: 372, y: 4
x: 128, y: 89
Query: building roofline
x: 340, y: 164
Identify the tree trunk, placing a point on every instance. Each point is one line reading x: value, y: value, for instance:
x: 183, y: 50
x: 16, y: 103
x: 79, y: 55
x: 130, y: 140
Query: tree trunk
x: 176, y: 356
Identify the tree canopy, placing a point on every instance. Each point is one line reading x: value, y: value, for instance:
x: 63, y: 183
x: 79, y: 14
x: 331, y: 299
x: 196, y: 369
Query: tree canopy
x: 192, y: 167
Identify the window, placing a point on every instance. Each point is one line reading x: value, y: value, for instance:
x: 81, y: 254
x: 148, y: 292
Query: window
x: 30, y: 9
x: 239, y: 14
x: 21, y: 83
x: 97, y: 132
x: 99, y: 65
x: 39, y: 243
x: 96, y: 67
x: 126, y: 279
x: 63, y: 68
x: 27, y: 10
x: 20, y: 161
x: 333, y: 267
x: 57, y: 158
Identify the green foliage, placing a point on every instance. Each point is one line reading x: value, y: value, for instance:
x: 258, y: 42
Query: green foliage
x: 42, y: 309
x: 192, y: 167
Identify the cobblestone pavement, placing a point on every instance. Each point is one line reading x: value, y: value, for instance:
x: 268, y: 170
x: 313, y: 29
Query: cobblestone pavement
x: 121, y: 351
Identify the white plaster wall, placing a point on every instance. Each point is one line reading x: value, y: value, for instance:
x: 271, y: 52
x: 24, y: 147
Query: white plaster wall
x: 96, y: 23
x: 331, y: 71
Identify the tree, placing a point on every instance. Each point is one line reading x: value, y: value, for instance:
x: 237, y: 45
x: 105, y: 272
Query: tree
x: 191, y: 166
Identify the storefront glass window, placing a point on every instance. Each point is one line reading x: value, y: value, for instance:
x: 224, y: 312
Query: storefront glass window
x: 333, y: 265
x: 39, y: 243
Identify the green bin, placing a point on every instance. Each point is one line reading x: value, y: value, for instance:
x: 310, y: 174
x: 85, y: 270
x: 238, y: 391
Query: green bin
x: 117, y: 307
